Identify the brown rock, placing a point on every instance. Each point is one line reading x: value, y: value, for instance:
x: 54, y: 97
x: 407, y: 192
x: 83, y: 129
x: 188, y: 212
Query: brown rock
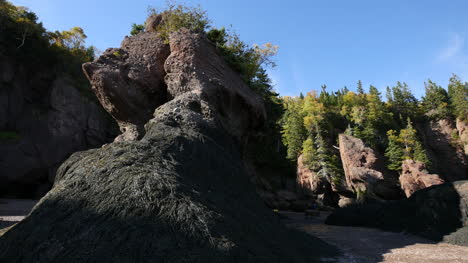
x: 152, y: 22
x: 195, y: 66
x: 129, y: 81
x: 309, y: 182
x: 448, y: 158
x: 415, y: 177
x: 462, y: 127
x: 365, y: 170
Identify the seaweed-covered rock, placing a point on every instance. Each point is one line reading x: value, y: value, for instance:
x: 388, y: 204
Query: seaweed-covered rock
x: 180, y: 194
x: 439, y: 213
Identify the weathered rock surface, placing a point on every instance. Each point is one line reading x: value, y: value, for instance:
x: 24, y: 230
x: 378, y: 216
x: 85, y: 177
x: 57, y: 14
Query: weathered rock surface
x: 180, y: 194
x: 130, y: 85
x: 51, y: 117
x: 462, y: 127
x: 308, y: 181
x: 414, y: 177
x: 365, y: 170
x: 311, y: 185
x: 448, y: 159
x: 439, y: 213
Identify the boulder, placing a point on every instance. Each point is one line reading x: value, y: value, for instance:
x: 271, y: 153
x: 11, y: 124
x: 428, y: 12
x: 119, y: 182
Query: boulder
x: 152, y: 22
x: 414, y: 177
x: 346, y: 201
x: 181, y: 193
x: 439, y: 213
x: 365, y: 170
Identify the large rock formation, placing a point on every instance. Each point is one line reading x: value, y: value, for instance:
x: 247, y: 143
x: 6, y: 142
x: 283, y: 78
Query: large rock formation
x: 414, y: 177
x: 365, y: 170
x: 44, y: 117
x: 439, y: 213
x: 179, y: 194
x: 448, y: 158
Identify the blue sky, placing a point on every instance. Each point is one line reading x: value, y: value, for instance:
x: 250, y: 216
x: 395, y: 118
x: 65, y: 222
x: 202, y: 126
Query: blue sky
x: 321, y: 42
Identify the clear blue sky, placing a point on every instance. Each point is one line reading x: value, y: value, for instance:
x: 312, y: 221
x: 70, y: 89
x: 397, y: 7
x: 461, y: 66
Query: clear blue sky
x: 321, y: 42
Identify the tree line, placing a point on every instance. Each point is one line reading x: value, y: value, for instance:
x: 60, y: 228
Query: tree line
x: 311, y: 123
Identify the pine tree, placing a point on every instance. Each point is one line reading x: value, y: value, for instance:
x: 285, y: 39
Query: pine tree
x: 394, y: 152
x: 458, y: 93
x: 293, y: 130
x: 360, y: 89
x: 436, y: 101
x: 403, y: 102
x: 388, y: 95
x: 374, y: 91
x: 309, y: 154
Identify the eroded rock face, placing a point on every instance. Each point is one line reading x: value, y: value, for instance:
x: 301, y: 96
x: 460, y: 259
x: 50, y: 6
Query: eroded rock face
x: 311, y: 185
x: 365, y: 170
x: 415, y: 177
x: 462, y: 127
x: 51, y: 117
x: 129, y: 82
x: 179, y: 194
x: 448, y: 159
x: 309, y: 182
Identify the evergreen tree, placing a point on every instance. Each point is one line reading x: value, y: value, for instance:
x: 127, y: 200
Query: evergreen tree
x: 360, y: 89
x: 374, y: 91
x: 458, y: 93
x: 394, y: 152
x: 309, y: 154
x: 403, y: 102
x: 293, y: 130
x: 404, y: 146
x: 436, y: 101
x: 388, y: 95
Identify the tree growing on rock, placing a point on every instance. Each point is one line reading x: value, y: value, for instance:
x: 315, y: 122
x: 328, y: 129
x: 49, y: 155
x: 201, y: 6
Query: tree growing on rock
x: 405, y: 146
x: 436, y: 102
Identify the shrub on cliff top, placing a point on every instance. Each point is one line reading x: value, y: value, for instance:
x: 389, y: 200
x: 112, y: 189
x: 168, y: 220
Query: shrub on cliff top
x: 177, y: 16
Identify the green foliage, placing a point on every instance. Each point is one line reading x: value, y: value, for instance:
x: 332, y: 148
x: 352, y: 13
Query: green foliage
x: 435, y: 103
x: 394, y: 152
x: 176, y: 16
x: 404, y: 146
x: 8, y: 136
x: 458, y: 93
x: 360, y: 89
x: 28, y: 42
x: 402, y: 102
x: 137, y: 28
x: 293, y: 130
x: 309, y: 154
